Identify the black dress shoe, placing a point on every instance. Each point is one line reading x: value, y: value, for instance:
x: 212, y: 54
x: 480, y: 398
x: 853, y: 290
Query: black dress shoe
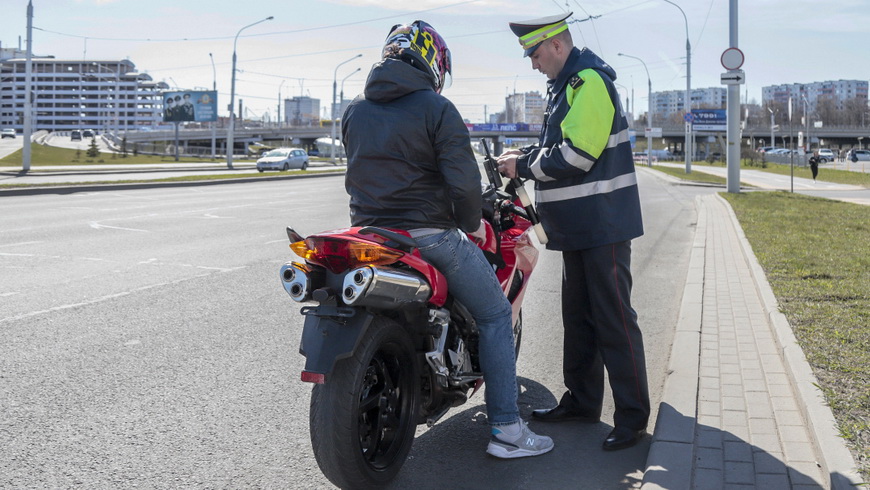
x: 621, y: 438
x: 560, y: 413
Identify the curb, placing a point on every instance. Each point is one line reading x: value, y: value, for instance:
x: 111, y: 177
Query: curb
x: 835, y: 458
x: 672, y: 452
x: 114, y: 186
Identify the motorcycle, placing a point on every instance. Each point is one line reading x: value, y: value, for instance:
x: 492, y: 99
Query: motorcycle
x: 386, y: 346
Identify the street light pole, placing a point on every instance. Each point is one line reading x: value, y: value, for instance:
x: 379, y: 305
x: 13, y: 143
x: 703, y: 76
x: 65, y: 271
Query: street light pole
x: 341, y: 95
x: 213, y: 123
x: 279, y: 102
x: 649, y: 112
x: 689, y: 146
x: 230, y: 136
x: 334, y: 88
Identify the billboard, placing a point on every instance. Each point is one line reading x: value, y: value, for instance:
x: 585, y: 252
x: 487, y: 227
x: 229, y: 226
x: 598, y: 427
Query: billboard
x: 190, y: 106
x: 709, y: 120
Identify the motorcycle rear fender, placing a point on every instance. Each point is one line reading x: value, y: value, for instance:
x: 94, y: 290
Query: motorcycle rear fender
x: 327, y: 339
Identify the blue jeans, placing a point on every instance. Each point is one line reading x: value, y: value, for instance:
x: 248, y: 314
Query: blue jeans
x: 472, y: 281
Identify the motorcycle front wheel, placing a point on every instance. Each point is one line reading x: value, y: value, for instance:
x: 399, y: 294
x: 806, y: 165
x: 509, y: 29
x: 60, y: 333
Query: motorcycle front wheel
x: 362, y: 420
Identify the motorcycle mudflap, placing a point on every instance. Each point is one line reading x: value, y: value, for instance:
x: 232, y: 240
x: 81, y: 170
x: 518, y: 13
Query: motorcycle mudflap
x: 326, y: 339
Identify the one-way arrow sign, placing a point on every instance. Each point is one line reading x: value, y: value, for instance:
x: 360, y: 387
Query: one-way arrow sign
x: 735, y: 77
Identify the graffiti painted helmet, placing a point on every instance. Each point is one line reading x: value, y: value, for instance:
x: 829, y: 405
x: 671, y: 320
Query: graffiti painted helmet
x: 421, y: 45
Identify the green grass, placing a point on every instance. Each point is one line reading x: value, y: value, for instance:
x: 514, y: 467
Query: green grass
x: 41, y: 155
x: 815, y: 255
x: 680, y: 173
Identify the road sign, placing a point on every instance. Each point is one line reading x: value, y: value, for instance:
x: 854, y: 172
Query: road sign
x: 688, y: 117
x: 732, y: 59
x: 736, y: 77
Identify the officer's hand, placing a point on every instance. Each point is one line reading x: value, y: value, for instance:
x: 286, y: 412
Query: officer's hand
x: 507, y: 165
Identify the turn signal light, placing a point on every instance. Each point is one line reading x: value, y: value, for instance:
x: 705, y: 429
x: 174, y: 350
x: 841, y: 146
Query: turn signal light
x: 341, y: 255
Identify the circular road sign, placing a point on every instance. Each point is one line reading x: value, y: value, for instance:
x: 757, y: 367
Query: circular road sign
x: 732, y: 59
x: 688, y: 117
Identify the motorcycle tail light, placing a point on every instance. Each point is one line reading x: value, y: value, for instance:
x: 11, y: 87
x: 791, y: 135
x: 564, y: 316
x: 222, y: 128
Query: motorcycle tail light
x: 317, y: 378
x: 341, y: 255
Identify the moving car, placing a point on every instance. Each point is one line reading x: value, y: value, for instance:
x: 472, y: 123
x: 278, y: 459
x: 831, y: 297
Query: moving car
x: 283, y: 159
x: 8, y: 133
x: 75, y: 135
x: 89, y: 133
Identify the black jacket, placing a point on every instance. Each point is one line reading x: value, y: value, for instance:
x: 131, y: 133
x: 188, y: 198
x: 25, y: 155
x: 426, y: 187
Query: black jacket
x: 410, y: 162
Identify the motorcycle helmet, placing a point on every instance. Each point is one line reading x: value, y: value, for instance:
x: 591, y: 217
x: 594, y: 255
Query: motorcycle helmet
x: 422, y: 46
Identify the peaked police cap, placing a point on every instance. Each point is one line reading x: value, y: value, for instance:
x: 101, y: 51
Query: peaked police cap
x: 533, y: 32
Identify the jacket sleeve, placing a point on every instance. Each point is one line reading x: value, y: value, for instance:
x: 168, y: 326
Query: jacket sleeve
x: 458, y: 167
x: 585, y: 131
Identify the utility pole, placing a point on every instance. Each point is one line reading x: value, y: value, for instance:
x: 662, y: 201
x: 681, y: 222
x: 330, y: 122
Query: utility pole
x: 28, y: 88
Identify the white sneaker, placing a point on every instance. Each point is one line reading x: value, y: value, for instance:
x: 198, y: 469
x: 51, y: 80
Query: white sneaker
x: 517, y: 441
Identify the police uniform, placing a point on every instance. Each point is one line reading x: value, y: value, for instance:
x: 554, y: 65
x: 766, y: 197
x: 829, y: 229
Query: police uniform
x: 588, y: 202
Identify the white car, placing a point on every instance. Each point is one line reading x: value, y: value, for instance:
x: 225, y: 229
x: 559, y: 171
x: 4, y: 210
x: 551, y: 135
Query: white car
x: 8, y: 133
x: 283, y: 159
x: 826, y: 155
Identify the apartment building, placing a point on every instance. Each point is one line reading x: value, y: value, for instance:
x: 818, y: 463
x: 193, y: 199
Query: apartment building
x: 106, y: 95
x: 673, y: 101
x: 836, y: 91
x: 525, y: 108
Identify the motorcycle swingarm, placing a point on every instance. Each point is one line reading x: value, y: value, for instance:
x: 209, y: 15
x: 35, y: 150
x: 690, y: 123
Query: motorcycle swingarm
x: 327, y: 339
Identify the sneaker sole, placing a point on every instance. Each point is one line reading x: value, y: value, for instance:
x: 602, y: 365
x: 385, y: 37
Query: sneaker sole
x: 501, y: 452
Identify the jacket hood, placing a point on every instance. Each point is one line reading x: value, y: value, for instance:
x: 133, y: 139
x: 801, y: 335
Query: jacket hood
x: 579, y: 60
x: 391, y: 78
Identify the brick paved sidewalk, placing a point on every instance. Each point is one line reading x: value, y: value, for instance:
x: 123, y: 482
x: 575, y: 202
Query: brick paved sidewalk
x: 740, y: 409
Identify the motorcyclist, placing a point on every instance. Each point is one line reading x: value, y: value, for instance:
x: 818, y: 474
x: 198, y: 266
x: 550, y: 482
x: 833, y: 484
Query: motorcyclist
x: 411, y: 166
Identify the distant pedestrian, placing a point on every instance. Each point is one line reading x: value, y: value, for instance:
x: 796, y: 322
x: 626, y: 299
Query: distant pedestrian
x: 854, y: 156
x: 814, y: 164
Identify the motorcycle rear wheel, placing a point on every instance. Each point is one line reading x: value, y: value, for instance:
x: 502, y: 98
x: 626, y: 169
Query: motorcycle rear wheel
x: 362, y: 420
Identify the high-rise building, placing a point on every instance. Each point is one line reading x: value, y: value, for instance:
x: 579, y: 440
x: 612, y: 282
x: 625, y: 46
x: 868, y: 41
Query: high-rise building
x: 302, y: 111
x: 108, y: 95
x: 673, y: 101
x: 524, y: 108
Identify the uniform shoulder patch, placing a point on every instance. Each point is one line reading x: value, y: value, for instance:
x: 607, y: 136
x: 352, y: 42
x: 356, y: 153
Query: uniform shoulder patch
x: 575, y: 82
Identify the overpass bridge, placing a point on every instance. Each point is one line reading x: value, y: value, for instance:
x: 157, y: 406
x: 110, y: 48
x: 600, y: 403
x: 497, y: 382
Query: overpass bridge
x: 198, y: 141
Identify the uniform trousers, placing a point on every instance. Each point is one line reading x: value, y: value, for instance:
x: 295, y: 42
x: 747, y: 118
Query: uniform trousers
x: 601, y: 331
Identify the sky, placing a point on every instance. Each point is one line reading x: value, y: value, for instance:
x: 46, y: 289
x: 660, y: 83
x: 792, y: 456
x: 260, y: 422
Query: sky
x: 305, y: 49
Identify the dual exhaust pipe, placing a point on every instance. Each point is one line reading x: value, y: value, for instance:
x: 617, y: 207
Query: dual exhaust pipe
x: 379, y: 287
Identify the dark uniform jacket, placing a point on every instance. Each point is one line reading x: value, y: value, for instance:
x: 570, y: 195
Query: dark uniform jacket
x: 410, y: 162
x: 585, y: 183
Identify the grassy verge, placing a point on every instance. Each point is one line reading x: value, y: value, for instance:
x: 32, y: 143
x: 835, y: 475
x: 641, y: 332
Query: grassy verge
x: 814, y: 253
x: 680, y: 173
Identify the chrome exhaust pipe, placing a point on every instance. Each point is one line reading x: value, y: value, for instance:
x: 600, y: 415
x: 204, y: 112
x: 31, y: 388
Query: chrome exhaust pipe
x: 383, y: 287
x: 295, y: 281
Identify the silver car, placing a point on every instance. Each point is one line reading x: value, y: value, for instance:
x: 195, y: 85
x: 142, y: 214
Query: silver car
x: 283, y: 159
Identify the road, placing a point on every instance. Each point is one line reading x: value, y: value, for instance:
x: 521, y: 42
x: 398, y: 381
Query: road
x: 147, y: 342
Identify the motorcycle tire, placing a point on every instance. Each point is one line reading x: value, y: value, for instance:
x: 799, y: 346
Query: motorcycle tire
x: 363, y: 419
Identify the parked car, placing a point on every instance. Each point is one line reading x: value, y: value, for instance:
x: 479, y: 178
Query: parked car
x: 283, y: 159
x: 863, y: 155
x: 826, y: 155
x: 8, y: 133
x: 314, y: 152
x: 75, y: 135
x: 89, y: 133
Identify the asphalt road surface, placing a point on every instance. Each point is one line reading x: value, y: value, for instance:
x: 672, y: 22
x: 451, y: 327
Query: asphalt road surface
x: 147, y: 342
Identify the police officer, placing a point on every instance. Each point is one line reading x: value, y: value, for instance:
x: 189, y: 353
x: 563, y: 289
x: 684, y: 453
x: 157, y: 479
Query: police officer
x: 587, y: 198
